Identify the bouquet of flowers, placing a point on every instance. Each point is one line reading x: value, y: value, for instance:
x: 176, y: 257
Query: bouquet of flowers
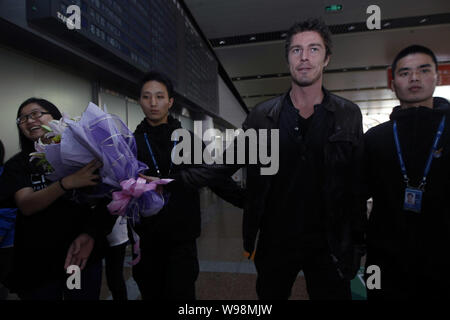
x: 70, y: 144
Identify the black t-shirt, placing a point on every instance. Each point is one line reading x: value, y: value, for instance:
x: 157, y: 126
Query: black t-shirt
x: 43, y: 238
x: 295, y: 207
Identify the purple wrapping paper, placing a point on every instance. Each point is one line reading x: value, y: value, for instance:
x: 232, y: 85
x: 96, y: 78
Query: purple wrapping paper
x: 105, y: 137
x: 97, y: 135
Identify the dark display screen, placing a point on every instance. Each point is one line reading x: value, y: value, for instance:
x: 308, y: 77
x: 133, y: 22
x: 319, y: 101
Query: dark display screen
x: 146, y: 34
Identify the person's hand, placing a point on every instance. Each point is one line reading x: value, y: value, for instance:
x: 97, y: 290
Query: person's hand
x: 84, y: 177
x: 148, y: 178
x: 159, y: 188
x: 79, y: 251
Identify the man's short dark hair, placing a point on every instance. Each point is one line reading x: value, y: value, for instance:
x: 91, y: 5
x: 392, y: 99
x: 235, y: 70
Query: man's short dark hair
x: 312, y: 24
x: 160, y: 77
x: 412, y: 50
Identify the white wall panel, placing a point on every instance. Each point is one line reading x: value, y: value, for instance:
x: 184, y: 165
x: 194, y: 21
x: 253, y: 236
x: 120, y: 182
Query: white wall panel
x: 135, y: 115
x: 24, y: 77
x: 229, y: 107
x: 114, y: 105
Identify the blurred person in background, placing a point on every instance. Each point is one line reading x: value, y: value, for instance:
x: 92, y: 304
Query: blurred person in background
x: 7, y: 227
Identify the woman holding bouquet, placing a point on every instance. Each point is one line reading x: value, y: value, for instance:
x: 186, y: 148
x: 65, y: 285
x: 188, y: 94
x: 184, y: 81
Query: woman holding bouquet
x: 52, y: 232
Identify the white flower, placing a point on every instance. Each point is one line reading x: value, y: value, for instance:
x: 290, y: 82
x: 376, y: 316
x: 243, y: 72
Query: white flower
x: 39, y: 146
x: 58, y: 126
x: 37, y: 155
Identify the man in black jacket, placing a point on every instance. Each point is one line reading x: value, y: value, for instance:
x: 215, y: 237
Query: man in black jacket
x: 169, y: 266
x: 409, y: 227
x: 310, y: 215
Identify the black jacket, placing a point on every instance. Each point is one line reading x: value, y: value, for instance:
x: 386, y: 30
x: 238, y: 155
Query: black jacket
x: 409, y: 240
x: 180, y: 219
x: 345, y: 203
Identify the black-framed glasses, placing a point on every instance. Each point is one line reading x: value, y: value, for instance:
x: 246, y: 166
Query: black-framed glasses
x: 33, y: 115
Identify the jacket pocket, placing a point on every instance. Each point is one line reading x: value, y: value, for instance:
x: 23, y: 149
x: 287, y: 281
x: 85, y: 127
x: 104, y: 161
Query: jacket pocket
x: 339, y: 150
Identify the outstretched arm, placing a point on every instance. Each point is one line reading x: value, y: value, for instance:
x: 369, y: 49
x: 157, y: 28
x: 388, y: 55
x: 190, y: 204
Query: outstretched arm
x: 229, y: 191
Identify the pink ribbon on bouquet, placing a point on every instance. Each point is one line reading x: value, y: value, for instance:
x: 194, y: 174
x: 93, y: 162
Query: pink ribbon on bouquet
x: 131, y: 188
x: 136, y: 249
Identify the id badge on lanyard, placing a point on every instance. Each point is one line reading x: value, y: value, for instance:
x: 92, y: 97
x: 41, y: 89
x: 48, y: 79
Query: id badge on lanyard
x: 413, y: 200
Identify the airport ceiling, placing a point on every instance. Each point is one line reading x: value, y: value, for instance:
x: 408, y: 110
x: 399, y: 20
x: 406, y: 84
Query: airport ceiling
x: 247, y: 37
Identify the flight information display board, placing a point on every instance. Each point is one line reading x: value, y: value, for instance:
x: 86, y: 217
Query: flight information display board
x: 145, y: 34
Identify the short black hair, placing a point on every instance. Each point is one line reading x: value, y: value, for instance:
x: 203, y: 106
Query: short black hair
x: 160, y: 77
x: 312, y: 24
x: 412, y: 50
x: 25, y: 143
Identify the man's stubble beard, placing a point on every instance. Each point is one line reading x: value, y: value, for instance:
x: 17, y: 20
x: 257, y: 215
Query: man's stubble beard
x: 305, y: 82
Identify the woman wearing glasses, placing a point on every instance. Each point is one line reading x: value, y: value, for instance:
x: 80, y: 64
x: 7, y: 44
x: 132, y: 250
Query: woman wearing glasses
x: 51, y: 231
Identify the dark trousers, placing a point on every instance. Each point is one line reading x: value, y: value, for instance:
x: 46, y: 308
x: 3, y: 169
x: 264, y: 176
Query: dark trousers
x: 114, y: 259
x: 167, y: 272
x: 407, y: 282
x: 91, y: 280
x: 6, y: 259
x: 278, y: 267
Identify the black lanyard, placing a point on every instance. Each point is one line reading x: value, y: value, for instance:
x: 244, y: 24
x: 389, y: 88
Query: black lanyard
x: 430, y: 157
x: 153, y: 156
